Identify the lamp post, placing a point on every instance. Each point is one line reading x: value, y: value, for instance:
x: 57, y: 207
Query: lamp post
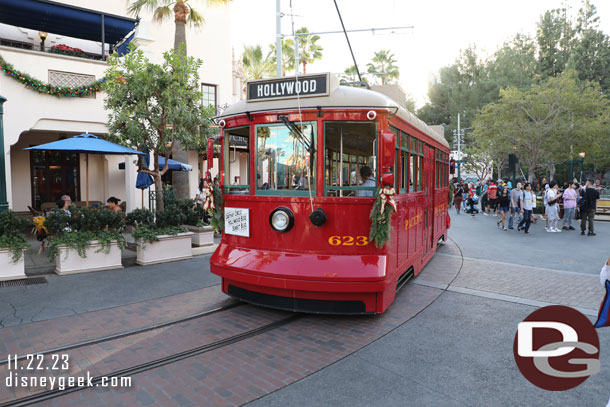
x: 582, y: 160
x: 43, y: 36
x: 3, y: 199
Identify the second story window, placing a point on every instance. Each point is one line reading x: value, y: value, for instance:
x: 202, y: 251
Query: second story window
x: 209, y: 95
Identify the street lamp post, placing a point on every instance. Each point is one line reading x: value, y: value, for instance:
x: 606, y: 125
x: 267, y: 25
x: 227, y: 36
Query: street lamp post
x: 582, y: 160
x: 3, y: 197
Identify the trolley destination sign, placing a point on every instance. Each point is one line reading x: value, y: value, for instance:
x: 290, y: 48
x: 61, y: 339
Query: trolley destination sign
x: 288, y: 87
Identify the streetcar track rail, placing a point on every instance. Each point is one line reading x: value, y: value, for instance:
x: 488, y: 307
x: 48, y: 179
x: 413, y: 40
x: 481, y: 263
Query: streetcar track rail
x: 126, y: 333
x: 143, y: 367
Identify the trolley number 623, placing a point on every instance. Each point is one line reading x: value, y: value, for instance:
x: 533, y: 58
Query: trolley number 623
x: 348, y: 240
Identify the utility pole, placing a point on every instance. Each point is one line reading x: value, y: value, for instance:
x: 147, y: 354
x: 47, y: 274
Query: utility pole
x: 278, y: 37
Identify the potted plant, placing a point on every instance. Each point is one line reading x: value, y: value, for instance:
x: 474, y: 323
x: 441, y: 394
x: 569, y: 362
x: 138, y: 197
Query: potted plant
x: 196, y: 221
x: 161, y: 240
x: 13, y: 243
x: 84, y: 239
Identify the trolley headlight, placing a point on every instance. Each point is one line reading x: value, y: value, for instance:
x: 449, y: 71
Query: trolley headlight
x: 281, y: 219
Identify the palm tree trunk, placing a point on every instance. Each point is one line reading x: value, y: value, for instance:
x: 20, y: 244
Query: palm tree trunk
x: 181, y: 11
x: 180, y: 179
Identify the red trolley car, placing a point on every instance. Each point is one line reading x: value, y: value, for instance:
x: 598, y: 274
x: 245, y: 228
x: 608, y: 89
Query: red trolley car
x: 296, y: 211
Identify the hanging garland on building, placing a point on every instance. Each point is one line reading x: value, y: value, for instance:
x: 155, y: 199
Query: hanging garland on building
x: 213, y: 205
x: 381, y: 215
x: 42, y: 87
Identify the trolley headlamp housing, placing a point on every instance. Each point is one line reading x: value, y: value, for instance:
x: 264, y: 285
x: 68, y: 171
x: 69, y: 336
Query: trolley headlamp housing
x: 281, y: 219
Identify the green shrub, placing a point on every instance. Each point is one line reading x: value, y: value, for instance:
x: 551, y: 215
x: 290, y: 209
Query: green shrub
x: 171, y: 216
x: 194, y: 215
x: 11, y: 237
x: 81, y: 226
x: 140, y: 217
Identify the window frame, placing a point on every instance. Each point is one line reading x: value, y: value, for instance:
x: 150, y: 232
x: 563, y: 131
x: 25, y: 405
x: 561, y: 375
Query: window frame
x: 350, y: 188
x: 227, y: 162
x: 215, y: 87
x: 285, y: 192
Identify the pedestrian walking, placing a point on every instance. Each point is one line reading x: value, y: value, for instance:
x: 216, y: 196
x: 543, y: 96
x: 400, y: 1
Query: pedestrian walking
x: 588, y: 206
x: 569, y: 205
x: 552, y: 209
x: 526, y: 205
x: 515, y: 199
x: 503, y: 208
x: 492, y: 193
x: 545, y: 203
x: 484, y: 197
x: 457, y: 198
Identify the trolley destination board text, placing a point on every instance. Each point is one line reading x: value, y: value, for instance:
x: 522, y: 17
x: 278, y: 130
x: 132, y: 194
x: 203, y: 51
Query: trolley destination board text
x: 288, y: 88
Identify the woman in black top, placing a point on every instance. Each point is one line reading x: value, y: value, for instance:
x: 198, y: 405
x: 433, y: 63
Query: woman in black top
x: 458, y: 197
x: 503, y: 208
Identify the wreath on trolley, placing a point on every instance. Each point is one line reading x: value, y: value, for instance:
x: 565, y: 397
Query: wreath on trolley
x: 381, y: 215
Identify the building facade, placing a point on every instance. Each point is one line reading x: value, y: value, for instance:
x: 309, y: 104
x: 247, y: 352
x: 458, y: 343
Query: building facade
x: 32, y: 118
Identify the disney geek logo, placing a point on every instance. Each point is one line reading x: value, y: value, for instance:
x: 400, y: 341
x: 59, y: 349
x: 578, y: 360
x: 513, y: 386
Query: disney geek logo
x: 556, y: 348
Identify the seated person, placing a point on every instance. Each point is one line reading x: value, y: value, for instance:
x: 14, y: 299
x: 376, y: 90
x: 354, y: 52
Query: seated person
x: 64, y: 204
x: 368, y: 181
x: 113, y: 203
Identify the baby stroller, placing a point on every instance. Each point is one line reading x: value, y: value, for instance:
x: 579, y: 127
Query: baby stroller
x: 471, y: 205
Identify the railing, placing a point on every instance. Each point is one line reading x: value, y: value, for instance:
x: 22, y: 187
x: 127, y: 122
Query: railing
x: 49, y: 50
x: 169, y: 198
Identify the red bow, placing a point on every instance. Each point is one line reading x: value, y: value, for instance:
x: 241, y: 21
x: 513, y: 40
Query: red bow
x: 387, y: 197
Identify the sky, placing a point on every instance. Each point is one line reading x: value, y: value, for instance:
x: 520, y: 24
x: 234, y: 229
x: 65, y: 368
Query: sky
x: 441, y: 28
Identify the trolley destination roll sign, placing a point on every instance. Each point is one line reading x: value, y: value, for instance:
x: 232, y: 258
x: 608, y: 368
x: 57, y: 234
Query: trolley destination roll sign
x: 288, y: 87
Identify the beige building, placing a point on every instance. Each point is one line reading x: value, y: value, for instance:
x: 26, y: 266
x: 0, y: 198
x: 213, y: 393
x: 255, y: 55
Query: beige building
x: 32, y: 118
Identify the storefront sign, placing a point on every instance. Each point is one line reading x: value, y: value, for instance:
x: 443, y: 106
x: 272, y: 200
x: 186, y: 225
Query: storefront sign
x: 288, y: 88
x: 237, y: 221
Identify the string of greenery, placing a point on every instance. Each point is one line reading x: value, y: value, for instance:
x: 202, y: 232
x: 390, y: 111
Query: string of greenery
x: 43, y: 87
x: 380, y: 223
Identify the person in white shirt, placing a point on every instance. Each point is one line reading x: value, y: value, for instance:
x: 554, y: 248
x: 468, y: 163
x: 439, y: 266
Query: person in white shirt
x: 552, y: 206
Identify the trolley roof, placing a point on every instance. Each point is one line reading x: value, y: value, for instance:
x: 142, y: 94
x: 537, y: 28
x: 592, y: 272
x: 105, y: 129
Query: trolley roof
x: 339, y: 97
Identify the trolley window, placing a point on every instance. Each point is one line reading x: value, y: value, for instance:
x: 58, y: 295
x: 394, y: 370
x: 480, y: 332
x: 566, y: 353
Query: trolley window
x: 237, y: 160
x: 284, y: 164
x: 350, y: 147
x: 404, y: 162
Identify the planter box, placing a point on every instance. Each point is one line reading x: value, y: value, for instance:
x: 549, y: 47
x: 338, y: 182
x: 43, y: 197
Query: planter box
x: 202, y: 236
x: 168, y: 248
x: 10, y: 270
x: 68, y: 261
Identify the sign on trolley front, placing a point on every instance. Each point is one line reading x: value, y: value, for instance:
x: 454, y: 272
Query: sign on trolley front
x: 237, y: 221
x: 288, y: 88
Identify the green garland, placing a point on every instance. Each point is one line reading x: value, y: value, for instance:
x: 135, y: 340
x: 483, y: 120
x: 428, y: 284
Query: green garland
x: 380, y: 222
x: 216, y: 217
x: 42, y: 87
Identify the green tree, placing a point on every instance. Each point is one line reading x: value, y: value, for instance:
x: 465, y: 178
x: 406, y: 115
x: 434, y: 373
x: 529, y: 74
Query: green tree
x: 309, y: 49
x: 383, y: 66
x: 545, y: 124
x: 287, y: 55
x: 147, y: 105
x: 555, y: 38
x: 182, y: 12
x: 257, y: 65
x: 514, y: 64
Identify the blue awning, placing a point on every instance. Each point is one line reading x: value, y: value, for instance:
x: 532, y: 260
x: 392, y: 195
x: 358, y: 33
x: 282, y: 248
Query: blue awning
x: 62, y: 19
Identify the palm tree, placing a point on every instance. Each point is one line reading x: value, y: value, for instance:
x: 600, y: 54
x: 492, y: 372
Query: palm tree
x: 350, y: 74
x: 257, y: 66
x: 309, y: 51
x: 183, y: 14
x: 287, y: 55
x: 382, y: 65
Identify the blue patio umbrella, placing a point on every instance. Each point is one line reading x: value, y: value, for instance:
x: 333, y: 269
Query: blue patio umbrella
x: 144, y: 180
x: 87, y: 144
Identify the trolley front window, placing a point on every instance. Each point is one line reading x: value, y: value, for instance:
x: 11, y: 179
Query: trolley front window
x: 350, y: 147
x: 284, y: 163
x: 237, y: 160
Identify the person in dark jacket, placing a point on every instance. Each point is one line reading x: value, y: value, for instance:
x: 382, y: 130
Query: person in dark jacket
x: 588, y: 205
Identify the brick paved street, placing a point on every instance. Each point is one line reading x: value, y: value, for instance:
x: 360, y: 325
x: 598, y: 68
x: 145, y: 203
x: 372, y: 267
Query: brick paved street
x: 447, y: 339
